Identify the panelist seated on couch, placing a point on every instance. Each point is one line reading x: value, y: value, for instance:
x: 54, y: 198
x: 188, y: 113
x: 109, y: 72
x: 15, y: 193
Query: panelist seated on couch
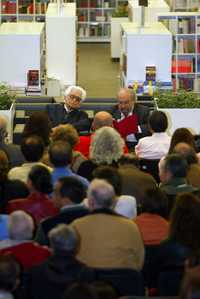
x: 69, y: 111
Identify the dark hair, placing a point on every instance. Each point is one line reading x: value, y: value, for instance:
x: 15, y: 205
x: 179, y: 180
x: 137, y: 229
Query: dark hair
x: 16, y: 189
x: 129, y: 159
x: 105, y: 290
x: 9, y: 272
x: 60, y: 153
x: 38, y: 124
x: 182, y: 135
x: 155, y: 202
x: 111, y: 175
x: 176, y: 165
x: 32, y: 148
x: 41, y: 179
x: 80, y: 290
x: 72, y: 188
x: 158, y: 121
x: 185, y: 220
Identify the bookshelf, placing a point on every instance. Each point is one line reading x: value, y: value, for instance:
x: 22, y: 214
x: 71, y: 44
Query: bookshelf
x: 144, y: 47
x: 185, y: 28
x: 184, y: 5
x: 94, y: 19
x: 23, y: 10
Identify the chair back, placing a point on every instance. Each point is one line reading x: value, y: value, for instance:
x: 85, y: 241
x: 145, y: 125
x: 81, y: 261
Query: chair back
x: 150, y: 166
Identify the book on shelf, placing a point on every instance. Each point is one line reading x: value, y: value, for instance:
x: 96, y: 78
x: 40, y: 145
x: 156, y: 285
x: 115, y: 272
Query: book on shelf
x: 183, y: 66
x: 186, y: 25
x: 186, y: 45
x: 33, y: 83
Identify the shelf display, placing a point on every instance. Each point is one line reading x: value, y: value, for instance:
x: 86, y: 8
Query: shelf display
x: 184, y: 5
x: 185, y: 28
x: 94, y: 18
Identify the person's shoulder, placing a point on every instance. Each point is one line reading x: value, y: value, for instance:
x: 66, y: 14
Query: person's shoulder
x: 141, y: 107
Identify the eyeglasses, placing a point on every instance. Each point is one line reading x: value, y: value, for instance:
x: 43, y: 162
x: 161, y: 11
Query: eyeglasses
x: 73, y: 97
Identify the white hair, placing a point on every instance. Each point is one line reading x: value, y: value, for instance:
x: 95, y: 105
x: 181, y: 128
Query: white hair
x: 106, y: 146
x: 101, y: 193
x: 20, y: 226
x: 69, y: 89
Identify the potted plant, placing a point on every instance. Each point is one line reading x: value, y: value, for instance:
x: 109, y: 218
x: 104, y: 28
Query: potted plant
x: 182, y: 108
x: 7, y: 107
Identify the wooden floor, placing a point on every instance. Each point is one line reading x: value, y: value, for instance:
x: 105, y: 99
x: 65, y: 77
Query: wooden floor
x: 97, y: 73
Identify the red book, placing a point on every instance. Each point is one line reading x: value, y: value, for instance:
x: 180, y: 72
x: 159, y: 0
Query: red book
x: 127, y: 126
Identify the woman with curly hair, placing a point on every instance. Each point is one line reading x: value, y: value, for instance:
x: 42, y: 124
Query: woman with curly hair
x: 106, y: 148
x: 69, y: 134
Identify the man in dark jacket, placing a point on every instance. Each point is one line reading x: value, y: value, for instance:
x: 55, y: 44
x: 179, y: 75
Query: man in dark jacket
x: 50, y: 279
x: 69, y: 112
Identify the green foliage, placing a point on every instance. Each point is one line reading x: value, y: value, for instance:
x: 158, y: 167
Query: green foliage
x: 120, y: 12
x: 7, y: 97
x: 179, y: 99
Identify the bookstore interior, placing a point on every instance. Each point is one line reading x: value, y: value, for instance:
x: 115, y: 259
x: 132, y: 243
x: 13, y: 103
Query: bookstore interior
x: 38, y: 42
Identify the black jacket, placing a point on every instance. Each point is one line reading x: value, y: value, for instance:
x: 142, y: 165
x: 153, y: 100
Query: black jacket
x: 58, y: 115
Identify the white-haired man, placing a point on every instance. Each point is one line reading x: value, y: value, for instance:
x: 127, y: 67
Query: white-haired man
x: 69, y: 112
x: 20, y: 244
x: 108, y: 240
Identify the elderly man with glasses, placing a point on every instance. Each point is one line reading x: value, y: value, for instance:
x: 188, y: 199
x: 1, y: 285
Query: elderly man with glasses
x: 69, y: 112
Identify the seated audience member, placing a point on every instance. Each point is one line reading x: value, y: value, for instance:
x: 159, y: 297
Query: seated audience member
x: 193, y: 173
x: 106, y: 149
x: 9, y: 189
x: 69, y: 134
x: 157, y: 145
x: 173, y: 171
x: 133, y: 178
x: 113, y: 241
x: 37, y: 204
x: 151, y: 222
x: 69, y: 112
x: 101, y: 119
x: 68, y: 195
x: 181, y: 135
x: 13, y: 151
x: 50, y: 279
x: 9, y: 277
x: 19, y: 244
x: 131, y: 117
x: 125, y: 205
x: 183, y: 238
x: 38, y: 124
x: 60, y: 155
x: 32, y: 148
x: 80, y: 290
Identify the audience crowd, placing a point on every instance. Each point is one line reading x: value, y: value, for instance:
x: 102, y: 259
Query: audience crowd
x: 110, y: 213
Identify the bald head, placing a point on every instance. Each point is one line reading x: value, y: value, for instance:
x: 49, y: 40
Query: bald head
x: 186, y: 151
x: 126, y: 99
x: 102, y: 119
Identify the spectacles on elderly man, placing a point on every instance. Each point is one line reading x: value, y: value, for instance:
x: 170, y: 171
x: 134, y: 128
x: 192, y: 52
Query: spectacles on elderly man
x: 74, y: 97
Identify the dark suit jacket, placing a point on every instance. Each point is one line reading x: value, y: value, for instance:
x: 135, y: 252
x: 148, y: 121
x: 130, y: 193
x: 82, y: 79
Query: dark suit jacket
x: 50, y: 279
x: 65, y: 216
x: 58, y: 115
x: 142, y: 113
x: 13, y: 153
